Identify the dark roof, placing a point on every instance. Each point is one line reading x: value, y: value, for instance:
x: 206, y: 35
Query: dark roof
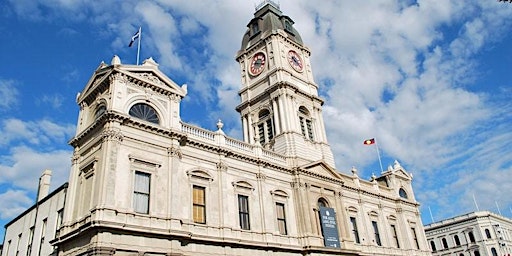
x: 269, y: 20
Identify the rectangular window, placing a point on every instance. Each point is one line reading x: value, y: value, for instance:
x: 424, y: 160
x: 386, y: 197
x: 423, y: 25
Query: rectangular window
x: 199, y: 204
x: 141, y: 192
x: 395, y: 236
x: 355, y: 232
x: 310, y: 129
x: 270, y: 132
x: 376, y: 233
x: 261, y: 133
x: 30, y: 240
x: 302, y: 127
x: 18, y: 245
x: 243, y: 212
x: 43, y: 232
x: 415, y: 237
x: 281, y: 219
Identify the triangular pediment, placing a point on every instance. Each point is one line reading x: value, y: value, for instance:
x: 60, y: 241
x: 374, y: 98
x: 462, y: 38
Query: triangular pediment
x: 320, y: 168
x: 147, y: 74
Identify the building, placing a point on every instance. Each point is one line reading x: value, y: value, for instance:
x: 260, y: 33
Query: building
x: 479, y: 233
x: 143, y: 182
x: 31, y: 231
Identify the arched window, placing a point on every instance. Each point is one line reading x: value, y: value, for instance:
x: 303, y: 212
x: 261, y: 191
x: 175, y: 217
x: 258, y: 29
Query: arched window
x: 99, y: 111
x: 433, y: 246
x: 494, y: 252
x: 322, y: 203
x: 445, y: 243
x: 402, y: 193
x: 477, y: 253
x: 265, y: 127
x: 457, y: 240
x: 471, y: 237
x: 487, y: 233
x: 306, y: 123
x: 145, y: 112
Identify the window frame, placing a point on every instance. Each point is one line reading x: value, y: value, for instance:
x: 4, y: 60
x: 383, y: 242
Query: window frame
x: 150, y: 114
x: 138, y: 194
x: 355, y: 230
x: 376, y: 233
x: 244, y: 220
x: 281, y: 220
x: 265, y: 126
x: 306, y: 123
x: 198, y: 205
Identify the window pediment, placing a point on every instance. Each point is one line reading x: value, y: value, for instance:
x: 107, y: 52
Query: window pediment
x: 279, y: 193
x: 199, y: 174
x: 244, y: 185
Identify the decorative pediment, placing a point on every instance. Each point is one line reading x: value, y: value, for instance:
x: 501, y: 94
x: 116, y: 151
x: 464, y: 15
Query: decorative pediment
x: 244, y: 185
x: 199, y: 175
x: 320, y: 168
x: 147, y: 75
x: 279, y: 193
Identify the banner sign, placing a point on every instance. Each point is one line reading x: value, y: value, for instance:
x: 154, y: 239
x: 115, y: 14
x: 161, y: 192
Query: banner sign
x: 329, y: 227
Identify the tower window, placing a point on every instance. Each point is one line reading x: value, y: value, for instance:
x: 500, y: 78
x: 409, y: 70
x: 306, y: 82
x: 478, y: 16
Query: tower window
x: 488, y: 233
x: 306, y: 123
x: 445, y: 243
x: 254, y: 28
x: 265, y: 127
x: 100, y: 111
x: 145, y: 112
x: 457, y: 240
x: 402, y: 193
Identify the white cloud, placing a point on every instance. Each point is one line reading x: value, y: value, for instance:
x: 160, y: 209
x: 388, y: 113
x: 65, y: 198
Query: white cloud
x: 39, y: 133
x: 24, y: 166
x: 398, y: 71
x: 8, y: 94
x: 14, y: 202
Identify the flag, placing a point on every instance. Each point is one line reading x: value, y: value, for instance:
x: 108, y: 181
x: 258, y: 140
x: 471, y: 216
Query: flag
x: 369, y: 141
x: 134, y: 37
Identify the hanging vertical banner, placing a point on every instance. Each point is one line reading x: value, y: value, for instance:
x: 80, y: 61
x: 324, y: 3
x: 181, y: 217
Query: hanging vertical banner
x: 329, y: 227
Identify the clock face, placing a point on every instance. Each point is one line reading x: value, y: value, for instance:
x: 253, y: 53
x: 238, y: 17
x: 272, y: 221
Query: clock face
x: 257, y: 63
x: 295, y: 61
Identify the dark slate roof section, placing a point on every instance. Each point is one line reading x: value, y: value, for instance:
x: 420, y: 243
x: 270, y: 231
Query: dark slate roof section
x: 269, y: 19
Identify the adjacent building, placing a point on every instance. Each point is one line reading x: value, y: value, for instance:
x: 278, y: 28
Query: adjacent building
x: 479, y: 233
x: 143, y: 182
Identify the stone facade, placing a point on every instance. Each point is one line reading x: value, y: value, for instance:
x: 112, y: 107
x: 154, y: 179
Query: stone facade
x: 143, y: 182
x: 473, y: 234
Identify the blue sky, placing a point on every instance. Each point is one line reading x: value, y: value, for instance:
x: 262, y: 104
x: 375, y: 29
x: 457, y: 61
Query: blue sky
x: 431, y: 80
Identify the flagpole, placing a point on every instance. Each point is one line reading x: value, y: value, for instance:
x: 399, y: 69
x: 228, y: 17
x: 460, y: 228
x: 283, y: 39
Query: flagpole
x: 431, y: 216
x: 497, y: 206
x: 474, y: 200
x: 378, y: 154
x: 138, y: 45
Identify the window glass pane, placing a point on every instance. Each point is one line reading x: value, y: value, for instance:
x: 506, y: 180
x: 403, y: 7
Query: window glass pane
x: 376, y: 232
x: 141, y: 192
x: 145, y: 112
x: 281, y: 219
x: 243, y: 212
x: 355, y: 232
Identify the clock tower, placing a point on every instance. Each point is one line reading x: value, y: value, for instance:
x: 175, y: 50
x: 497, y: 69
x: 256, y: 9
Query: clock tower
x: 280, y: 107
